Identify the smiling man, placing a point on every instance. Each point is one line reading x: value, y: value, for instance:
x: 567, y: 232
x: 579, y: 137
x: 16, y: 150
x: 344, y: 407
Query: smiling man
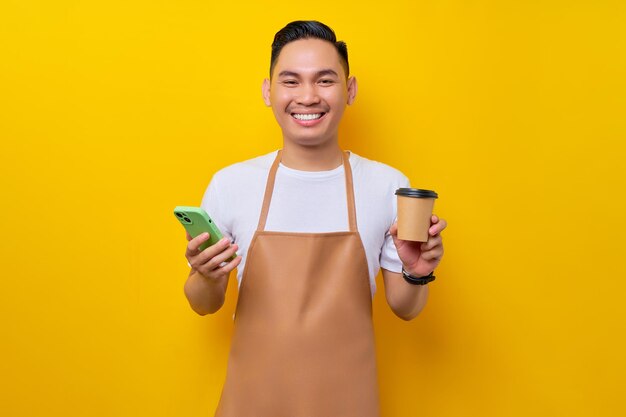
x: 312, y: 225
x: 308, y: 91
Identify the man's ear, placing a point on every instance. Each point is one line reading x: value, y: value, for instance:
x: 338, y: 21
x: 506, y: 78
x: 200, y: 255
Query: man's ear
x: 352, y: 89
x: 266, y: 92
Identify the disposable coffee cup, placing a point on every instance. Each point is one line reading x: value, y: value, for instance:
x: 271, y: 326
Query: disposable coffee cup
x: 415, y: 208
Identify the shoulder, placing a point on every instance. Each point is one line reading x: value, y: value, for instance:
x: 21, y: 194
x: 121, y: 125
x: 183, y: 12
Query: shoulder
x: 244, y: 171
x: 233, y: 190
x: 377, y: 173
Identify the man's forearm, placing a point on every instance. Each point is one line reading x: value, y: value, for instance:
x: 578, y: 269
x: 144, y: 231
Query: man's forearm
x: 406, y: 300
x: 205, y: 295
x: 411, y: 301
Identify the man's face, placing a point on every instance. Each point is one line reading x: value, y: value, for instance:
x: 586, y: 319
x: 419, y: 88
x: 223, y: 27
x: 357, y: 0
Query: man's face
x: 308, y: 92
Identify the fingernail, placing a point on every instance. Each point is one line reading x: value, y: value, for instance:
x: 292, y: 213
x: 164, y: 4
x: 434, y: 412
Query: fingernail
x: 224, y: 240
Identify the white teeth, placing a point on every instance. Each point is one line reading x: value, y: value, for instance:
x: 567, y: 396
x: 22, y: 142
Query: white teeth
x: 307, y: 116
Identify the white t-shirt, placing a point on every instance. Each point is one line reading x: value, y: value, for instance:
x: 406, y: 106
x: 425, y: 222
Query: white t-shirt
x: 305, y: 201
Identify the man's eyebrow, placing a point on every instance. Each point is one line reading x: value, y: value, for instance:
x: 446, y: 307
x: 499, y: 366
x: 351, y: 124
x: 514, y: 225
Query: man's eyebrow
x: 288, y: 74
x: 320, y: 73
x: 327, y: 72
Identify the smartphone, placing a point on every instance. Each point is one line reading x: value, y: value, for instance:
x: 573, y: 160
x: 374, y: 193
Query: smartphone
x: 196, y: 221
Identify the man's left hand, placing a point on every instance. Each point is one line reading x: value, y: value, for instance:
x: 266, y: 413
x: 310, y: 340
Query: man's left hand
x: 421, y: 258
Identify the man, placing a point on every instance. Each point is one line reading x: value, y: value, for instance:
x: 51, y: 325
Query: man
x: 312, y: 225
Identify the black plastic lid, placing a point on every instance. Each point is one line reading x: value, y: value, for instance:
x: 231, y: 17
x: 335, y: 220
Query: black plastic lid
x: 416, y: 193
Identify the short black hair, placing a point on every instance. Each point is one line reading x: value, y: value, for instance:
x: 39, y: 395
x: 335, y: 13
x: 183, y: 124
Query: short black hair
x: 306, y: 29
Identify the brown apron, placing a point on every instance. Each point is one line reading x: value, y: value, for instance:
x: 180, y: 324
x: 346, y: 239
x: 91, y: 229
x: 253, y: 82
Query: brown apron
x: 303, y: 342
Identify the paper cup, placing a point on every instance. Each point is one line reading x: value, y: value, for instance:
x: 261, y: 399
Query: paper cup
x: 415, y: 208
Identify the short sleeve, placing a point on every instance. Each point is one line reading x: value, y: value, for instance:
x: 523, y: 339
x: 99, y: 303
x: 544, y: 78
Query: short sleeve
x: 211, y: 204
x: 389, y: 258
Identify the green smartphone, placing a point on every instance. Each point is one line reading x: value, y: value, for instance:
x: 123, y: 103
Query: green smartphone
x: 196, y: 221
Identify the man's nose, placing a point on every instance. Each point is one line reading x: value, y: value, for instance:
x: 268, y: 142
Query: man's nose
x: 308, y: 95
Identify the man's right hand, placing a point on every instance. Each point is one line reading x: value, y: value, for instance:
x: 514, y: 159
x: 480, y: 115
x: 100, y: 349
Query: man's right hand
x: 211, y: 262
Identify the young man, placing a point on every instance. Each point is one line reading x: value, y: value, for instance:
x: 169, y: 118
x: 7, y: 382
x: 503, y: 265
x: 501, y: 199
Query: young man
x: 312, y: 226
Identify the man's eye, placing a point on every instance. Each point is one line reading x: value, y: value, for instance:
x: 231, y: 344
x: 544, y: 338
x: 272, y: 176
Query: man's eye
x: 289, y: 82
x: 327, y: 82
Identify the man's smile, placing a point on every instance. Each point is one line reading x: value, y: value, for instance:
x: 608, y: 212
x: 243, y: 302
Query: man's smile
x: 308, y: 119
x: 307, y: 116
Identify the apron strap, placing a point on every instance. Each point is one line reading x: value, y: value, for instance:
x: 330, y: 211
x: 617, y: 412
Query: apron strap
x: 347, y: 169
x: 269, y: 189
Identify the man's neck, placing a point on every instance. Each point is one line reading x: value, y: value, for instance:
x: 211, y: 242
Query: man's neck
x: 313, y: 158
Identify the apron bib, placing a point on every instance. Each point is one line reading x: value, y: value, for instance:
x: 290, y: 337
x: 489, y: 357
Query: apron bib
x: 303, y: 341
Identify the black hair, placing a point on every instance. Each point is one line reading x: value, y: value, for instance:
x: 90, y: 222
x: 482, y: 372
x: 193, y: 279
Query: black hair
x: 306, y: 29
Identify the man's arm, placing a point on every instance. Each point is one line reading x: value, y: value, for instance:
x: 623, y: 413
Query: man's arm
x: 406, y: 300
x: 205, y: 295
x: 418, y: 259
x: 206, y: 284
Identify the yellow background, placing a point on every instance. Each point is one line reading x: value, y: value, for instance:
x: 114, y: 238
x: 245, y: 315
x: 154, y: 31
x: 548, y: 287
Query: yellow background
x: 113, y: 112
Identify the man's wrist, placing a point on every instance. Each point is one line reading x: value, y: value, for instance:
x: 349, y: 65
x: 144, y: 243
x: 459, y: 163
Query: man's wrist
x: 414, y: 274
x: 417, y: 280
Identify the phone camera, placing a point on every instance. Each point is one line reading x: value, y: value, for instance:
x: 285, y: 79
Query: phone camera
x: 187, y: 219
x: 179, y: 215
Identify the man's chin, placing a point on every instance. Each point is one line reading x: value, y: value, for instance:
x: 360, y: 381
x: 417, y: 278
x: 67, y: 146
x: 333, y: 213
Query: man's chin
x: 312, y: 141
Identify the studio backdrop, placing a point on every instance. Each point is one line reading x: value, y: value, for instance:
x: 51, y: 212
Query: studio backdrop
x: 114, y: 112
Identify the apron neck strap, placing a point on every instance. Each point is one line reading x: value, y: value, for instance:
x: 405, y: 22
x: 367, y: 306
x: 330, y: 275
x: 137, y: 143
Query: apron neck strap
x: 269, y: 189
